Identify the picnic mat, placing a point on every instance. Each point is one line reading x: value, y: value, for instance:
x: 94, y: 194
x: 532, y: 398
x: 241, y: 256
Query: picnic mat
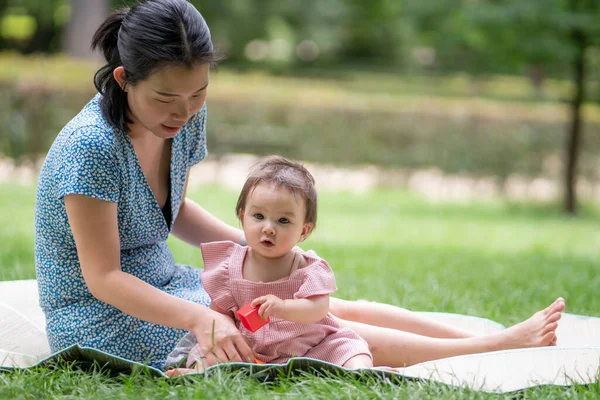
x: 576, y: 360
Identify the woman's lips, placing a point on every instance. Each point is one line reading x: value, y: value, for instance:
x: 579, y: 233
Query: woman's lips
x: 171, y: 129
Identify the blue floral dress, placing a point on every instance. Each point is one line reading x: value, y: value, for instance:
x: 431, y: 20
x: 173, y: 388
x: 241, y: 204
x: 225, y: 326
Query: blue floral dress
x: 91, y: 158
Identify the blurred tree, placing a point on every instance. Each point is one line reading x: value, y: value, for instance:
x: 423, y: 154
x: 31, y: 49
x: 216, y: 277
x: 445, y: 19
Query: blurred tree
x: 48, y: 25
x: 583, y: 32
x: 234, y: 24
x: 445, y: 27
x: 372, y: 31
x: 86, y: 17
x: 3, y: 8
x: 545, y: 34
x: 540, y: 38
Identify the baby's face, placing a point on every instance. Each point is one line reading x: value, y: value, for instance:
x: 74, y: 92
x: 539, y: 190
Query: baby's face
x: 273, y: 220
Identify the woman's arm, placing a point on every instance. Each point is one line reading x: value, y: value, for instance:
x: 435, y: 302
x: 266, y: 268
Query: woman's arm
x: 302, y: 311
x: 218, y: 309
x: 195, y: 225
x: 95, y: 229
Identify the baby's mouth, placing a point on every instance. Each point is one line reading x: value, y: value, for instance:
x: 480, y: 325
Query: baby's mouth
x: 267, y: 243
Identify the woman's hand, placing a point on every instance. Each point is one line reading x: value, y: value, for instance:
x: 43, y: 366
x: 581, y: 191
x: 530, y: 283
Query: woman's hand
x: 219, y: 341
x: 270, y: 305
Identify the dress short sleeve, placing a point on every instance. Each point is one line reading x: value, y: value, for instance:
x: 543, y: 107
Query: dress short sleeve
x: 215, y: 277
x: 197, y: 133
x: 318, y: 279
x: 89, y: 165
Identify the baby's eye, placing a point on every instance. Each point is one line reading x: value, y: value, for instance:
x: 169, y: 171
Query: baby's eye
x: 259, y: 216
x: 284, y: 221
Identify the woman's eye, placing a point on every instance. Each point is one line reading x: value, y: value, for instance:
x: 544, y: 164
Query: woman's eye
x: 164, y: 102
x: 258, y: 216
x: 284, y: 221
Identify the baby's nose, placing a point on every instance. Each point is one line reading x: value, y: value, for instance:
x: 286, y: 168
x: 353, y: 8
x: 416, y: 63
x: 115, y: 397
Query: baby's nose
x: 268, y: 229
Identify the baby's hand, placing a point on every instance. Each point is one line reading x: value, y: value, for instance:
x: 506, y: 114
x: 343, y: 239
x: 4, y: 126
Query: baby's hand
x: 270, y: 305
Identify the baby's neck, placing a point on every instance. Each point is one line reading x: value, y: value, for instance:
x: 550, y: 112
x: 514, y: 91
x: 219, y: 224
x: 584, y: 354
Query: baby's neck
x: 261, y: 269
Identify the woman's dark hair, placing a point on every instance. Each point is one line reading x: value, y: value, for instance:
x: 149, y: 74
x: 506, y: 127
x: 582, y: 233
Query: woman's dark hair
x: 149, y: 36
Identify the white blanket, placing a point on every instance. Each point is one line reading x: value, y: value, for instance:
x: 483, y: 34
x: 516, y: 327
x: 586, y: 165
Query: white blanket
x: 576, y: 360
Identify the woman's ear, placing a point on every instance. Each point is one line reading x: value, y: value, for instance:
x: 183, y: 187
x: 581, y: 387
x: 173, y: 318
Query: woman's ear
x: 306, y: 230
x: 120, y: 77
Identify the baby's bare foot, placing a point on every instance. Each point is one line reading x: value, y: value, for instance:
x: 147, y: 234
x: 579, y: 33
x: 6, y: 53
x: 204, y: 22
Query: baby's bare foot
x: 537, y: 331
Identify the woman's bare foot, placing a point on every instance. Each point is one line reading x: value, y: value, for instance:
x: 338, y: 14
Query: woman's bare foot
x: 389, y: 369
x: 194, y: 367
x: 537, y: 331
x: 179, y: 371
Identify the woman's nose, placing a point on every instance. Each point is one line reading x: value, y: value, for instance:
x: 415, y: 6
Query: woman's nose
x: 181, y: 112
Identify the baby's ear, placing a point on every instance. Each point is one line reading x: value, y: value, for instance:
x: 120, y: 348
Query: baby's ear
x: 306, y: 230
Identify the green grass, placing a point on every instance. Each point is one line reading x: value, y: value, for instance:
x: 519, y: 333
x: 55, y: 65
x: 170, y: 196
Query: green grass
x: 495, y: 260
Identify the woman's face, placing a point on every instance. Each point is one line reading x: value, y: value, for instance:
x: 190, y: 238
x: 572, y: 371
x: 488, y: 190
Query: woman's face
x: 167, y: 99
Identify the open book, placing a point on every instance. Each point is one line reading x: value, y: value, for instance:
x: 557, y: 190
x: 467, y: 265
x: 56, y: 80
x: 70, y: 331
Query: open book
x: 576, y: 360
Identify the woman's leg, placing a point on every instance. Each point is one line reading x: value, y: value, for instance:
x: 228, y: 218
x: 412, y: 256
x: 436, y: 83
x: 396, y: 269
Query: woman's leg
x: 395, y: 348
x: 387, y: 316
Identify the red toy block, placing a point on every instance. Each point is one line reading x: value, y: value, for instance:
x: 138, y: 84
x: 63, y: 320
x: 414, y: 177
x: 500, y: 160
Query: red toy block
x: 250, y: 318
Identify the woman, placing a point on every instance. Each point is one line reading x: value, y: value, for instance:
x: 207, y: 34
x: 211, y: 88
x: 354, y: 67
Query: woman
x: 113, y: 187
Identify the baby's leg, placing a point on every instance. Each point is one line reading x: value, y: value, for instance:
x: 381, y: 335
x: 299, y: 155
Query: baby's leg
x: 343, y: 347
x: 359, y: 361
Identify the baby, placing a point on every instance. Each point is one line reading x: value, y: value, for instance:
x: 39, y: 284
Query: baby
x: 278, y: 209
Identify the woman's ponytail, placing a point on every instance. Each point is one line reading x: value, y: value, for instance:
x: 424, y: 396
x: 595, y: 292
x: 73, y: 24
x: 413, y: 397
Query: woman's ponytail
x: 114, y: 99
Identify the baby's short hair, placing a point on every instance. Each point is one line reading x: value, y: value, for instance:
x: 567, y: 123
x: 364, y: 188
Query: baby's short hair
x: 284, y: 173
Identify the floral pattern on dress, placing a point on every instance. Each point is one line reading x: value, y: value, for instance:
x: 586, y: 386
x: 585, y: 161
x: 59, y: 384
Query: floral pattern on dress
x: 91, y: 158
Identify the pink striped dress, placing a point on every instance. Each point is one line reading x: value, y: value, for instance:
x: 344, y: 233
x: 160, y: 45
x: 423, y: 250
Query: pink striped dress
x: 279, y: 340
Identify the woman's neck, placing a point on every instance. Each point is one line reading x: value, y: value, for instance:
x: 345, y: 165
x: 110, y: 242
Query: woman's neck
x: 137, y: 132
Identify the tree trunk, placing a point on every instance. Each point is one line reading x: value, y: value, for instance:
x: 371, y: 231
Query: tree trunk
x: 536, y: 75
x: 574, y: 133
x: 86, y: 17
x: 3, y: 7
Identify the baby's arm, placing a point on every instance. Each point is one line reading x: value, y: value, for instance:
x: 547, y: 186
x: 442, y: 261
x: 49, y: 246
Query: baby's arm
x: 306, y: 311
x: 302, y: 311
